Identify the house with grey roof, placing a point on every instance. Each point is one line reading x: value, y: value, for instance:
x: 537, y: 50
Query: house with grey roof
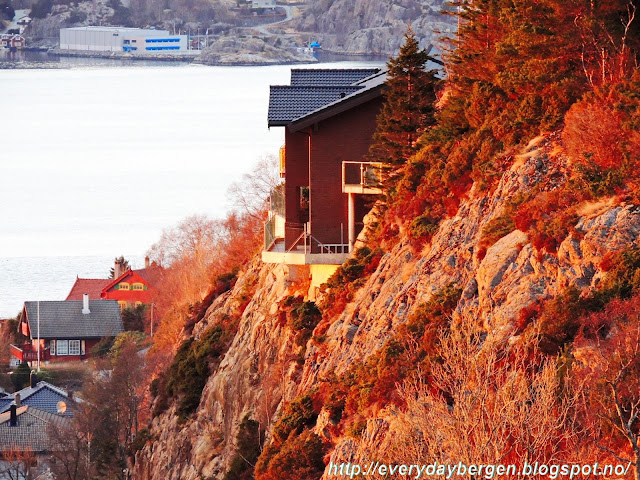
x: 66, y: 330
x: 41, y: 395
x: 329, y: 118
x: 27, y: 440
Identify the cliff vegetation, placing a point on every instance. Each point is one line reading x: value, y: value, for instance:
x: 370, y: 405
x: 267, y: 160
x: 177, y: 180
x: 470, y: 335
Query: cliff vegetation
x: 491, y: 313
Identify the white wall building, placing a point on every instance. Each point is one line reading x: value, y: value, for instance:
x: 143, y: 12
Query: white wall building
x: 121, y: 39
x: 263, y: 3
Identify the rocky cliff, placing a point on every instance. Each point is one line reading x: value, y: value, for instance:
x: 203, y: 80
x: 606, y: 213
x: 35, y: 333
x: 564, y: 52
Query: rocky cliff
x: 265, y: 366
x: 373, y: 27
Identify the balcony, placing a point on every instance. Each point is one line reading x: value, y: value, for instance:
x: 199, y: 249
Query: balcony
x: 27, y: 353
x: 362, y: 177
x: 274, y: 226
x: 305, y: 250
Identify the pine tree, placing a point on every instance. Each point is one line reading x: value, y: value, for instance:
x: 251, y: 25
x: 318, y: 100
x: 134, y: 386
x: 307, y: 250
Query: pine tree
x: 409, y: 104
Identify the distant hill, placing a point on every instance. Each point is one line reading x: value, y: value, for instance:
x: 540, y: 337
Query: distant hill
x: 373, y: 26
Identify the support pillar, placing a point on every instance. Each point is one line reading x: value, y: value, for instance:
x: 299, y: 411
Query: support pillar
x: 352, y: 221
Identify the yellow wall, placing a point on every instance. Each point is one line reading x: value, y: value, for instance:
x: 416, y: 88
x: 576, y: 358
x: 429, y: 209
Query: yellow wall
x: 319, y: 275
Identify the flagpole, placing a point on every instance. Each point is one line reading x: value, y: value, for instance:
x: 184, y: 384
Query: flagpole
x: 38, y: 336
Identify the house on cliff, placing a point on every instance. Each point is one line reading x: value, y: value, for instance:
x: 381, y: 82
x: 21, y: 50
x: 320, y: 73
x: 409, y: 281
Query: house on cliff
x: 329, y: 117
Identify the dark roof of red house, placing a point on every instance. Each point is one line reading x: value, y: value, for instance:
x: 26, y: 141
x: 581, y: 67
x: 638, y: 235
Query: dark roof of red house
x: 288, y: 102
x: 330, y: 76
x: 316, y: 95
x: 92, y: 286
x: 369, y: 88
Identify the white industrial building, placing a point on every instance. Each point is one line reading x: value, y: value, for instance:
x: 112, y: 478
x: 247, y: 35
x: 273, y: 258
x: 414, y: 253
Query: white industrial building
x: 121, y: 39
x: 263, y: 3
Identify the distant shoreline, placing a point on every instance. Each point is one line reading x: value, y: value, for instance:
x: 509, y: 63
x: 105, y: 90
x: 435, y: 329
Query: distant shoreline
x: 185, y: 57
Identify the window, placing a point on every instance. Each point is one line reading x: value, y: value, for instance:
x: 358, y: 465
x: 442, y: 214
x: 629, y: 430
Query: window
x: 62, y: 347
x: 74, y: 347
x: 123, y: 304
x: 123, y: 286
x: 52, y: 347
x: 137, y: 286
x: 138, y: 304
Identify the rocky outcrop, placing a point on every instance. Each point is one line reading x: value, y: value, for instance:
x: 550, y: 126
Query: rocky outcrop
x: 252, y: 50
x: 373, y: 27
x: 264, y: 366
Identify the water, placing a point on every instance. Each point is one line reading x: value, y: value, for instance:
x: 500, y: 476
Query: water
x: 96, y: 159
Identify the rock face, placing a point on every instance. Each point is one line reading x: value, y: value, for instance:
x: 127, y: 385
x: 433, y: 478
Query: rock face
x: 263, y: 367
x: 252, y: 50
x: 373, y: 26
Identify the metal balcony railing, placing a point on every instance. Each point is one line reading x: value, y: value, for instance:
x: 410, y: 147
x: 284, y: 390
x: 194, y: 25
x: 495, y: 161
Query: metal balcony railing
x: 307, y: 243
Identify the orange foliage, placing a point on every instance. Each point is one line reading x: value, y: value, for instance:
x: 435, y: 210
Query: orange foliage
x: 592, y: 134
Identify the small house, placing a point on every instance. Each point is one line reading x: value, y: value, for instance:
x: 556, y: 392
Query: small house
x: 329, y: 117
x: 41, y: 395
x: 129, y: 288
x: 66, y: 330
x: 26, y: 441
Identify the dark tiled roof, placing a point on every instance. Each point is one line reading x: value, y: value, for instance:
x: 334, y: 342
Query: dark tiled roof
x: 32, y: 431
x: 287, y: 102
x: 64, y: 319
x: 43, y: 396
x: 370, y: 87
x: 5, y: 402
x: 330, y: 76
x: 92, y: 286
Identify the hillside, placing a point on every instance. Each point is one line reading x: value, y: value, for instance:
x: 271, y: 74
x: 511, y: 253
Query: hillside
x: 490, y: 315
x: 264, y: 368
x: 372, y: 27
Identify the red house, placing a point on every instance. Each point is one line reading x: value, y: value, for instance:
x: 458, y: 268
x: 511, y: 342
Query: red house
x: 66, y: 330
x: 129, y: 288
x: 329, y: 118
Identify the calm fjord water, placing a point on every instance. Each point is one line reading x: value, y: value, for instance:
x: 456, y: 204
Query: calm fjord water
x: 96, y: 160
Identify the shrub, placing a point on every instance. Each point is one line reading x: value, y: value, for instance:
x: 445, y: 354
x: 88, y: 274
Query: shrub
x: 102, y: 348
x: 142, y: 437
x: 223, y: 283
x: 133, y: 318
x: 348, y: 278
x: 299, y: 458
x: 295, y: 417
x: 592, y: 133
x: 493, y: 231
x: 21, y: 376
x: 423, y: 227
x: 248, y: 445
x: 189, y: 371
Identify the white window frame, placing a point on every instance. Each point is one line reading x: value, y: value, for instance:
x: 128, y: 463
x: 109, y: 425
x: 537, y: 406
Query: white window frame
x: 62, y: 347
x: 74, y: 347
x: 52, y: 347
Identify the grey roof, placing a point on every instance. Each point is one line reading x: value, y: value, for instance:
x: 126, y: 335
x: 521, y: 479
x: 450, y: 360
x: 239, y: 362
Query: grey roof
x: 330, y: 76
x: 32, y: 431
x: 43, y: 396
x: 370, y: 87
x: 287, y: 102
x: 64, y: 319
